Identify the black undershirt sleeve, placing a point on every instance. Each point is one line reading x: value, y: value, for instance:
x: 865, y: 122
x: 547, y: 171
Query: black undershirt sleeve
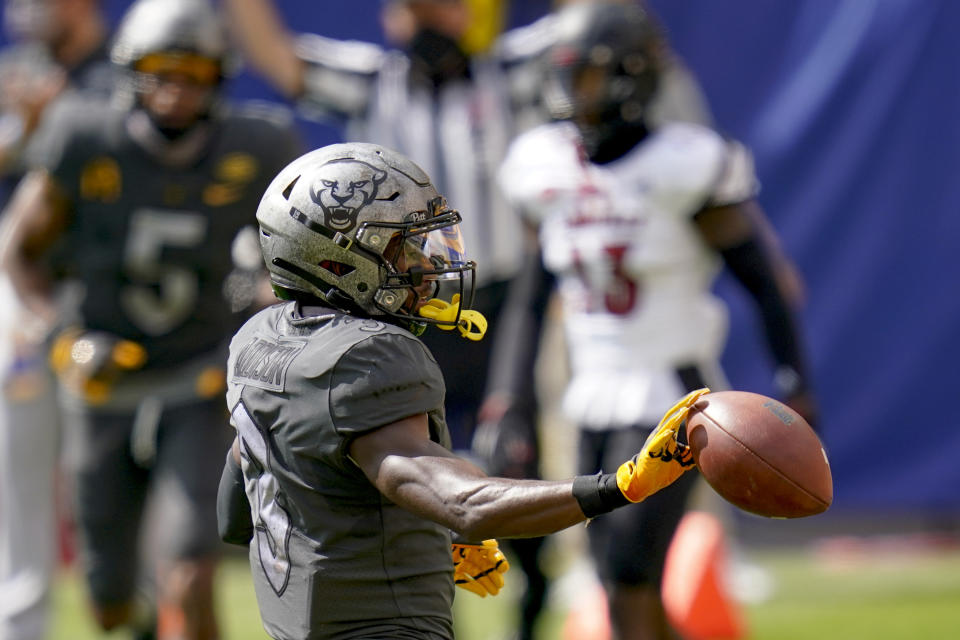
x: 234, y: 522
x: 752, y: 267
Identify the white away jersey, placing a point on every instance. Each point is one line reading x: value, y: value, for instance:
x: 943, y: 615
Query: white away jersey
x: 634, y: 273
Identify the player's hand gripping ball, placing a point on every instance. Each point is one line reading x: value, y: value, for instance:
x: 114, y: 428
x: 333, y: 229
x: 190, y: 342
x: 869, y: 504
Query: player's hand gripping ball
x: 663, y: 458
x: 479, y: 568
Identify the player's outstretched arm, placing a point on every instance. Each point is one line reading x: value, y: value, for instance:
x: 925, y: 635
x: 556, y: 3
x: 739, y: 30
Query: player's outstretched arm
x: 426, y: 479
x: 25, y: 103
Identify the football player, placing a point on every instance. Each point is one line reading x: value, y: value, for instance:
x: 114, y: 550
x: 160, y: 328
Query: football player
x: 632, y: 223
x: 147, y: 208
x: 340, y: 479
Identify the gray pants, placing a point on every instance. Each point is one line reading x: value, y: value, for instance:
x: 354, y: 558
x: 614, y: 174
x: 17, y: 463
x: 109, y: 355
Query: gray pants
x: 29, y: 437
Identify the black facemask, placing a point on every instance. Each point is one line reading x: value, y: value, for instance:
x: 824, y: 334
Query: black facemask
x: 614, y: 141
x: 436, y: 58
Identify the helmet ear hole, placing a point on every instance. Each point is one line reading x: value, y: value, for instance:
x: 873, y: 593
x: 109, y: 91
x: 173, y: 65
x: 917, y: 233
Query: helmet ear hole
x: 338, y: 269
x: 286, y: 192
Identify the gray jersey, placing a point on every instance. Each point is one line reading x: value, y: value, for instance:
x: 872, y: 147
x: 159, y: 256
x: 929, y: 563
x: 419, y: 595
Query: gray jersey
x: 331, y: 556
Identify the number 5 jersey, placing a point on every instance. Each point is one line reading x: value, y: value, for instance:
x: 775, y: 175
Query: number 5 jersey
x: 152, y: 238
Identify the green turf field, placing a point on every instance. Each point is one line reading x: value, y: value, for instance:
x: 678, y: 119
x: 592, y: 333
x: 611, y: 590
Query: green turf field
x: 886, y: 596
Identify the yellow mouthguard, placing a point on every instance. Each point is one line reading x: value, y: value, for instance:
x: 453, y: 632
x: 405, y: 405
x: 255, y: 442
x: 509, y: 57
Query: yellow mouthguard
x: 472, y: 325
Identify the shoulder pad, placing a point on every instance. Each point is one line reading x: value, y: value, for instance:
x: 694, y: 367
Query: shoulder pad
x: 537, y: 162
x: 383, y: 377
x: 73, y: 121
x: 738, y: 180
x: 695, y: 160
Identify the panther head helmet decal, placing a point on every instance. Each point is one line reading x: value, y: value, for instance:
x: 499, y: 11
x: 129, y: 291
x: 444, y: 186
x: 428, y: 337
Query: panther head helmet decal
x: 344, y: 187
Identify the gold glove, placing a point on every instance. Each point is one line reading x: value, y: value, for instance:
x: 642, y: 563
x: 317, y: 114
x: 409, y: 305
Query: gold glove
x: 663, y: 459
x: 479, y: 568
x: 88, y: 363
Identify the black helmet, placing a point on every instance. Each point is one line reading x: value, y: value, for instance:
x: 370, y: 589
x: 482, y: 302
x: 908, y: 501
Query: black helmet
x: 603, y: 68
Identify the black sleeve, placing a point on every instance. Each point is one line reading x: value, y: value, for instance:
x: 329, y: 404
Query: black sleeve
x: 519, y: 327
x: 751, y: 265
x: 234, y: 522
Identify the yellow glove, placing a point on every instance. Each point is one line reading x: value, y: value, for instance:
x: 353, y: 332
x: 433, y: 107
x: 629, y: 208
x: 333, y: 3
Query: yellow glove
x: 663, y: 459
x: 472, y: 324
x: 479, y: 568
x: 88, y: 363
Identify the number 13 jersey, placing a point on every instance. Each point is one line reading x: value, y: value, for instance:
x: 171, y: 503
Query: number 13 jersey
x: 634, y: 273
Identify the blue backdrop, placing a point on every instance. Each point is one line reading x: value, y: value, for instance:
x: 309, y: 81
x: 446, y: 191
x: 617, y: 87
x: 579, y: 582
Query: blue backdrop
x: 852, y: 108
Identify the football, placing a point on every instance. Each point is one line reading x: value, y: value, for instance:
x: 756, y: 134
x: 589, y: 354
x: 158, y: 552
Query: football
x: 759, y: 455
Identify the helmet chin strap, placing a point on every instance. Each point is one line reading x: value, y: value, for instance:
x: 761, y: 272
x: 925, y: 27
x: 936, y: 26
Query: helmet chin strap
x: 471, y: 325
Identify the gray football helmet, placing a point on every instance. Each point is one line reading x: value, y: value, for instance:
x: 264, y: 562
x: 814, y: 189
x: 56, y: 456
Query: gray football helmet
x: 362, y: 228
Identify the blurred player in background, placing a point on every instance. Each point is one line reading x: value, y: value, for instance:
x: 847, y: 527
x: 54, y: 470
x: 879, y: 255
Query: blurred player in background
x: 632, y: 222
x: 60, y: 48
x: 341, y: 479
x: 147, y: 209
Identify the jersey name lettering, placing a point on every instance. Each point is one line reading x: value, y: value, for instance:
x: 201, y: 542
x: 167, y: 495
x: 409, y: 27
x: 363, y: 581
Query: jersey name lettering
x: 263, y: 362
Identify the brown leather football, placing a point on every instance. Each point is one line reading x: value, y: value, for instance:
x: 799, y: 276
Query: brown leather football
x: 760, y: 455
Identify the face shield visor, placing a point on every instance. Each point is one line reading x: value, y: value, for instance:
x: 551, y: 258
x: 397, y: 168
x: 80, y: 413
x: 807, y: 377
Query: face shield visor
x: 429, y: 277
x: 440, y: 252
x: 192, y: 68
